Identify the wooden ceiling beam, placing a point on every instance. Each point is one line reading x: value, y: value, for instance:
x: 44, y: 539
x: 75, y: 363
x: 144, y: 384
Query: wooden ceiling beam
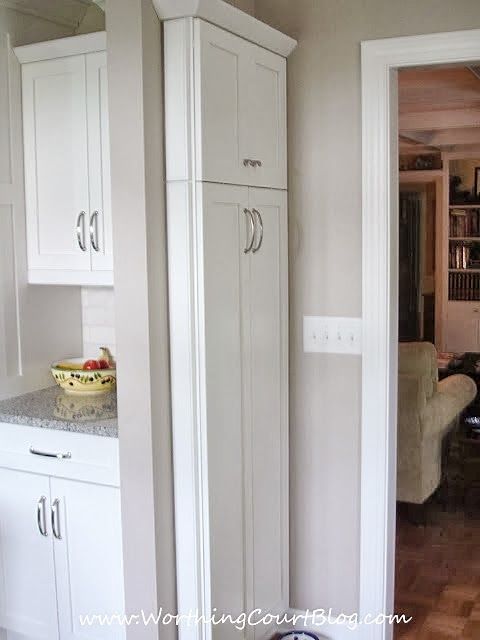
x: 453, y: 137
x: 419, y: 137
x: 439, y: 120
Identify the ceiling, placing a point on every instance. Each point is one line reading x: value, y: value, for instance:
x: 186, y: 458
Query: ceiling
x: 439, y: 107
x: 68, y: 13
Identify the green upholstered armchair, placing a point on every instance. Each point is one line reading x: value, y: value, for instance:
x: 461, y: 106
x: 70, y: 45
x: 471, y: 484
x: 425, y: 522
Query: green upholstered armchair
x: 427, y: 411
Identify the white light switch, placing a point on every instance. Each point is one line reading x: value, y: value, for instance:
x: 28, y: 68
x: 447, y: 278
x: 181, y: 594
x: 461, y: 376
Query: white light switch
x: 325, y: 334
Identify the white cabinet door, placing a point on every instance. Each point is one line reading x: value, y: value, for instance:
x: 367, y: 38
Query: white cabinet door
x: 56, y: 164
x: 462, y: 326
x: 225, y: 235
x: 267, y: 118
x: 88, y: 558
x: 28, y: 604
x: 268, y: 364
x: 240, y: 110
x: 100, y: 213
x: 221, y: 109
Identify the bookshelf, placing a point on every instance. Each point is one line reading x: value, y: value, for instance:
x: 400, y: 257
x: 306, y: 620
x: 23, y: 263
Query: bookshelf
x: 463, y: 246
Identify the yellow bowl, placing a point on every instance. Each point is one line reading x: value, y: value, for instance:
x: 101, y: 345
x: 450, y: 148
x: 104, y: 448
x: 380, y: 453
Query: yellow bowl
x: 75, y: 380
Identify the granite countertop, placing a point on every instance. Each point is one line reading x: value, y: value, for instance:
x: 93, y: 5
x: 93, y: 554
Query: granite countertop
x: 52, y: 408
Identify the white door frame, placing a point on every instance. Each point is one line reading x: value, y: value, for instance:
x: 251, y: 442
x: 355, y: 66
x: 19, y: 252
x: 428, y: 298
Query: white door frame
x: 380, y: 60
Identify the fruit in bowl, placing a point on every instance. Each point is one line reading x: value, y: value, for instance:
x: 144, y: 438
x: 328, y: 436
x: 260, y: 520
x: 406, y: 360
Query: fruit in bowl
x: 86, y: 376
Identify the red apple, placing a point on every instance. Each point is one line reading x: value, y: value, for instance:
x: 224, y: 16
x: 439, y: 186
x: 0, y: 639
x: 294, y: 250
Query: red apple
x: 103, y: 364
x: 89, y: 365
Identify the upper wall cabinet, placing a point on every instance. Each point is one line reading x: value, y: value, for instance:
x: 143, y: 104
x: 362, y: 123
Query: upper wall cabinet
x: 67, y: 164
x: 225, y: 101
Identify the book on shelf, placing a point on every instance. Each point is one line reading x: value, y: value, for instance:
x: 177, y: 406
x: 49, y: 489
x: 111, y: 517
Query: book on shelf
x: 464, y: 286
x: 459, y: 256
x: 464, y: 223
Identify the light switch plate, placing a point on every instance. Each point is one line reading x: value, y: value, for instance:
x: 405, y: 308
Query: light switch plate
x: 327, y: 334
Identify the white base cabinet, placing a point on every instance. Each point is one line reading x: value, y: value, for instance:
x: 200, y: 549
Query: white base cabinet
x: 60, y: 536
x: 28, y: 604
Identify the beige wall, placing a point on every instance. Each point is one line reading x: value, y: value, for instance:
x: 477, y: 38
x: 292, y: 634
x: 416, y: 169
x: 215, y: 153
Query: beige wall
x: 325, y: 268
x: 244, y: 5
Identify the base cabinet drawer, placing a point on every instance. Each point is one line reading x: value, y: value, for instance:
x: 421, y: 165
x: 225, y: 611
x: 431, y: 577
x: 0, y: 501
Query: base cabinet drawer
x: 60, y: 453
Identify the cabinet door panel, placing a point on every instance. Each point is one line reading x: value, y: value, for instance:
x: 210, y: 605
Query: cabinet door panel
x: 221, y: 105
x: 268, y: 366
x: 56, y: 166
x: 463, y: 326
x: 99, y: 162
x: 224, y: 237
x: 28, y: 604
x: 88, y: 558
x: 267, y: 120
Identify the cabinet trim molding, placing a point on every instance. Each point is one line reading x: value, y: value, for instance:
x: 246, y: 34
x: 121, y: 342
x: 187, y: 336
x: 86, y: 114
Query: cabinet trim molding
x: 72, y: 46
x: 229, y: 18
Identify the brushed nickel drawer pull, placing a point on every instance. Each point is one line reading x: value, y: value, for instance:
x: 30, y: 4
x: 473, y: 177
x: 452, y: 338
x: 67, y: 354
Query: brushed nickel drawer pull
x: 55, y: 519
x: 94, y: 231
x: 41, y: 518
x: 260, y: 222
x: 249, y: 215
x: 48, y: 454
x: 81, y: 231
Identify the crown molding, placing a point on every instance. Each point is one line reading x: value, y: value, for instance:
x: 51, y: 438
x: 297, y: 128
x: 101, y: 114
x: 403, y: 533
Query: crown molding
x: 68, y: 13
x: 61, y: 47
x: 229, y: 18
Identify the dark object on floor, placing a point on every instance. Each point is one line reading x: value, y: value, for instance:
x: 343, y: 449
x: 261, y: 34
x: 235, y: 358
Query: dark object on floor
x: 299, y: 635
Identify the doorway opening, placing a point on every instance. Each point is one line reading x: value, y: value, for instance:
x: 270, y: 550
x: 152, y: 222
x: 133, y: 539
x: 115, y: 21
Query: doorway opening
x: 437, y: 582
x: 381, y: 61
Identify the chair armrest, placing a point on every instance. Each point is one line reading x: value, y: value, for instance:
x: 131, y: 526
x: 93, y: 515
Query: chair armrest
x: 453, y: 395
x: 460, y: 388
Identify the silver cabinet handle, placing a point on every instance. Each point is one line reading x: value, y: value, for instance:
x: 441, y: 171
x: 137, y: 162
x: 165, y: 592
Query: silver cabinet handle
x: 56, y: 519
x: 48, y: 454
x: 260, y: 223
x: 94, y: 230
x: 251, y: 220
x: 41, y: 517
x: 248, y: 162
x: 81, y: 231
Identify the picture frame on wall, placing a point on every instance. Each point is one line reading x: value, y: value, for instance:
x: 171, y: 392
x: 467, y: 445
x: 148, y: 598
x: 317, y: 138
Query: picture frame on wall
x: 476, y: 188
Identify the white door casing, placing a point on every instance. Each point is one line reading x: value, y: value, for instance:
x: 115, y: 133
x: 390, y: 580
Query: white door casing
x: 380, y: 60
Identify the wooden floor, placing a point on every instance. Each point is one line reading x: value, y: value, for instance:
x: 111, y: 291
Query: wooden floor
x: 438, y: 575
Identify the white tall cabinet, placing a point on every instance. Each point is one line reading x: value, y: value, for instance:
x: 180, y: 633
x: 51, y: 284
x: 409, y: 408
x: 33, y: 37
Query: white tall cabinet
x: 225, y: 115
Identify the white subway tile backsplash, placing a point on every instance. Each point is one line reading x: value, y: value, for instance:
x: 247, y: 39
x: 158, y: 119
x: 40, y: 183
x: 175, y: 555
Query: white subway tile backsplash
x: 98, y: 319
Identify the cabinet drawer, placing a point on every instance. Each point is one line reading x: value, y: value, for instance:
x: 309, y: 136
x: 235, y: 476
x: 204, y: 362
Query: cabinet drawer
x: 91, y: 458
